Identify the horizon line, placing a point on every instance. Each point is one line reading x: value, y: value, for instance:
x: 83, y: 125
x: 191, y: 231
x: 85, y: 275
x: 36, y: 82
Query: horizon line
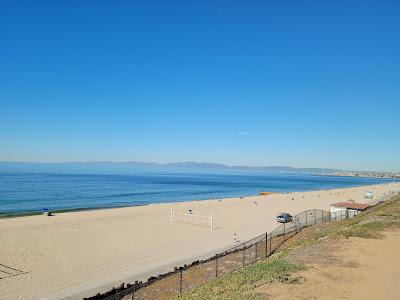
x: 194, y: 162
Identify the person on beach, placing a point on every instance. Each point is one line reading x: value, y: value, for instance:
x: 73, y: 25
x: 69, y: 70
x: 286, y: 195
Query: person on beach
x: 190, y: 211
x: 235, y: 237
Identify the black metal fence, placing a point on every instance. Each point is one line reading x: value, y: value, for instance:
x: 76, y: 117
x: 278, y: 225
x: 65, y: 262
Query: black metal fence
x: 198, y: 273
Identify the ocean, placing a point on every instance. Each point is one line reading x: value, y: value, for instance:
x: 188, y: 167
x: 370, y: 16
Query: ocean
x: 22, y: 193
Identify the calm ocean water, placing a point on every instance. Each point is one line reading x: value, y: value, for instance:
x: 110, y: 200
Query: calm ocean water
x: 26, y: 193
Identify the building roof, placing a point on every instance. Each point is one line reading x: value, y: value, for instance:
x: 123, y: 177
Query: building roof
x: 352, y: 205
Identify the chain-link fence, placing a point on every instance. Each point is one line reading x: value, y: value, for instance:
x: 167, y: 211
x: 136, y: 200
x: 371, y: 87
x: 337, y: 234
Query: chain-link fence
x: 198, y: 273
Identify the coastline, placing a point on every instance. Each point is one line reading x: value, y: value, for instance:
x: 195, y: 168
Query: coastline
x: 29, y: 213
x: 364, y: 175
x: 77, y: 253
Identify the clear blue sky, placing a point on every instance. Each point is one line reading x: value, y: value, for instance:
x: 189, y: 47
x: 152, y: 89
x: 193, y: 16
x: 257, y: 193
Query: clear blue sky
x: 300, y: 83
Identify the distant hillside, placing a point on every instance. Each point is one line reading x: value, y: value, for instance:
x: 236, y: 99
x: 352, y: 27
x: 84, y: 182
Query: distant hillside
x: 106, y: 167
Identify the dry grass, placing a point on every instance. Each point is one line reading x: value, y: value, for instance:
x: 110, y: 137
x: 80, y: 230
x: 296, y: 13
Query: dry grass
x: 238, y: 285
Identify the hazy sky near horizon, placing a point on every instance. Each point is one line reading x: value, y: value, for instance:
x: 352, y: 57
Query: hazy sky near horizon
x: 300, y: 83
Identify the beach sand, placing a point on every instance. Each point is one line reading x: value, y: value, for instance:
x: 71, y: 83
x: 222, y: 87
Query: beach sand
x: 78, y: 254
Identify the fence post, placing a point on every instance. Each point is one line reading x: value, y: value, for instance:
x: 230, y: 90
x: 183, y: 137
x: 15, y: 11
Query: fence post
x: 266, y: 244
x: 255, y: 258
x: 180, y: 282
x: 244, y: 250
x: 216, y: 267
x: 270, y: 244
x: 306, y: 218
x: 315, y: 217
x: 284, y: 229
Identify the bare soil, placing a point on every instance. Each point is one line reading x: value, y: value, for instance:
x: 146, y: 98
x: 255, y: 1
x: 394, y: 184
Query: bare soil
x: 355, y: 268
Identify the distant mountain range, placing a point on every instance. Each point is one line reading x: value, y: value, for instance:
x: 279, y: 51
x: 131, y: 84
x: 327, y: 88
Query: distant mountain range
x: 109, y: 167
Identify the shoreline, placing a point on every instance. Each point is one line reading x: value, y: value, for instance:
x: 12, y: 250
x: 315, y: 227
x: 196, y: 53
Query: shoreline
x: 77, y: 254
x: 11, y: 215
x: 360, y: 175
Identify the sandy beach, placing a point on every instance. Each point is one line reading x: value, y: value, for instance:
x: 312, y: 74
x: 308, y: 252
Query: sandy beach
x: 77, y: 254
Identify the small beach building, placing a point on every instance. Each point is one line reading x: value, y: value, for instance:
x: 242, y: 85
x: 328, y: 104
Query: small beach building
x: 347, y: 209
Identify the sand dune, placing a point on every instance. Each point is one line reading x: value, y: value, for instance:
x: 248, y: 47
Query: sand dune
x: 82, y: 253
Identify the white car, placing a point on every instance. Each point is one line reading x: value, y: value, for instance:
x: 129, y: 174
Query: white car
x: 284, y: 218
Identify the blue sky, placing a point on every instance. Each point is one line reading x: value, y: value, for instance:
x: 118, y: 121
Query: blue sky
x: 300, y: 83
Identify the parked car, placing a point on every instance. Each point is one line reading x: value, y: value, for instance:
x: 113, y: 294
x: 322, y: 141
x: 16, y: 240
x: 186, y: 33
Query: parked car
x: 284, y: 218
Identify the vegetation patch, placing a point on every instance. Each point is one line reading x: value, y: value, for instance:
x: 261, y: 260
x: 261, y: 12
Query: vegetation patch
x: 238, y: 285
